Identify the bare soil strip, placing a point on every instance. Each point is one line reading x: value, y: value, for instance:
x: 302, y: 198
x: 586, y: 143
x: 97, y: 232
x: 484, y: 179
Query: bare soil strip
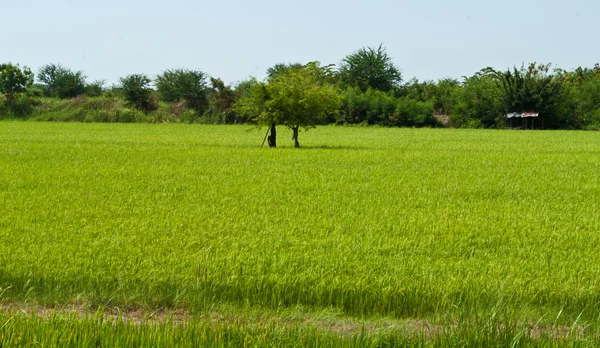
x: 139, y: 316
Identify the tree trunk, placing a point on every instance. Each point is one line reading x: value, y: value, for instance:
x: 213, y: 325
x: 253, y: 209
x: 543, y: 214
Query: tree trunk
x: 295, y: 136
x: 273, y: 137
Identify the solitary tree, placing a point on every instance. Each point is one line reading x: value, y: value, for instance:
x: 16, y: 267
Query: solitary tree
x: 14, y: 80
x: 59, y: 81
x: 295, y: 98
x: 369, y: 67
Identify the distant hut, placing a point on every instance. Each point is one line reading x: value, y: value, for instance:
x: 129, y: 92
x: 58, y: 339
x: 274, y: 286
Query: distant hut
x: 524, y: 120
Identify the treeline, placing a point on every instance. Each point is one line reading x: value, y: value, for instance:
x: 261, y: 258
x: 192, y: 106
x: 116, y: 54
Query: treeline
x: 364, y: 88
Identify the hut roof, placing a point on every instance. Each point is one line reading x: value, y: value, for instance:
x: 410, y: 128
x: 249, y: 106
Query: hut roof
x: 522, y: 114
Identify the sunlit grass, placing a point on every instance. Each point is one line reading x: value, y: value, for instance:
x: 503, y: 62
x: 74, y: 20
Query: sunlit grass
x: 405, y: 223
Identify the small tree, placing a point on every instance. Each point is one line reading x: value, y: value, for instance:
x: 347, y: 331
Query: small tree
x: 14, y: 80
x: 181, y: 84
x: 137, y: 92
x: 296, y: 98
x: 59, y: 81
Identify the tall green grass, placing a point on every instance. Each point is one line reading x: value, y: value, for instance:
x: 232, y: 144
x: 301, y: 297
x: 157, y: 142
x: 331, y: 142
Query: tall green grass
x: 19, y: 330
x: 96, y: 109
x: 406, y: 223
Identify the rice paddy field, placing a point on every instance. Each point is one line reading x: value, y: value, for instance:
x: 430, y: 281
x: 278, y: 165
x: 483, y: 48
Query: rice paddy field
x: 162, y: 235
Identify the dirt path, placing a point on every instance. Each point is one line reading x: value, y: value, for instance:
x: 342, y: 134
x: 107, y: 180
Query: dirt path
x: 330, y: 323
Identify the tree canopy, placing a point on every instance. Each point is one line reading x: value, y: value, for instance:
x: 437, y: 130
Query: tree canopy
x: 62, y: 82
x: 531, y: 88
x: 294, y: 98
x: 369, y: 89
x: 137, y: 92
x: 14, y: 80
x: 182, y: 84
x: 369, y: 68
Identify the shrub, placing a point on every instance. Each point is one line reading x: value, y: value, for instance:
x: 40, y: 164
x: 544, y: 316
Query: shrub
x: 137, y: 92
x: 94, y: 89
x: 59, y: 81
x: 183, y: 85
x: 21, y: 107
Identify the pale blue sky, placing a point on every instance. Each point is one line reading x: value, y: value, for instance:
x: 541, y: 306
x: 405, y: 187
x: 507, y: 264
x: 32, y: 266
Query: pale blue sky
x: 234, y: 39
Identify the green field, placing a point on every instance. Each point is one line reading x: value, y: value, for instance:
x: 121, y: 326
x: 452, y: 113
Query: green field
x: 483, y: 235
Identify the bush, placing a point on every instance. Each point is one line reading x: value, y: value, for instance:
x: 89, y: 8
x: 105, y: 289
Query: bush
x: 20, y: 108
x: 183, y: 85
x: 59, y: 81
x: 413, y: 113
x: 377, y: 107
x: 188, y: 116
x: 478, y: 104
x: 94, y: 89
x: 137, y: 92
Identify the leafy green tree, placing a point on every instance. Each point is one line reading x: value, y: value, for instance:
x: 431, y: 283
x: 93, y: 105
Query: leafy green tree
x: 183, y: 85
x: 252, y: 104
x: 137, y: 92
x: 242, y: 89
x: 14, y: 80
x: 369, y: 67
x: 59, y: 81
x: 478, y: 103
x: 300, y: 98
x: 296, y: 98
x: 580, y: 103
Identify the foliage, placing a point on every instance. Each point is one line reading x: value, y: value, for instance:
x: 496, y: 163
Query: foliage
x: 183, y: 85
x: 377, y: 107
x: 282, y: 68
x: 137, y: 92
x: 533, y: 88
x: 580, y: 104
x: 441, y: 94
x: 94, y: 89
x: 20, y: 107
x: 371, y: 107
x: 294, y: 98
x: 478, y: 103
x: 252, y: 102
x: 221, y: 99
x: 369, y: 90
x: 369, y: 68
x: 59, y: 81
x: 14, y: 80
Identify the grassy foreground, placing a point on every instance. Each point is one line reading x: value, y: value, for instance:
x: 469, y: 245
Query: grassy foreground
x: 469, y: 230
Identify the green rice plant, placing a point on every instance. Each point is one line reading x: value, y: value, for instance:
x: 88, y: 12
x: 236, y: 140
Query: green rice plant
x: 436, y: 224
